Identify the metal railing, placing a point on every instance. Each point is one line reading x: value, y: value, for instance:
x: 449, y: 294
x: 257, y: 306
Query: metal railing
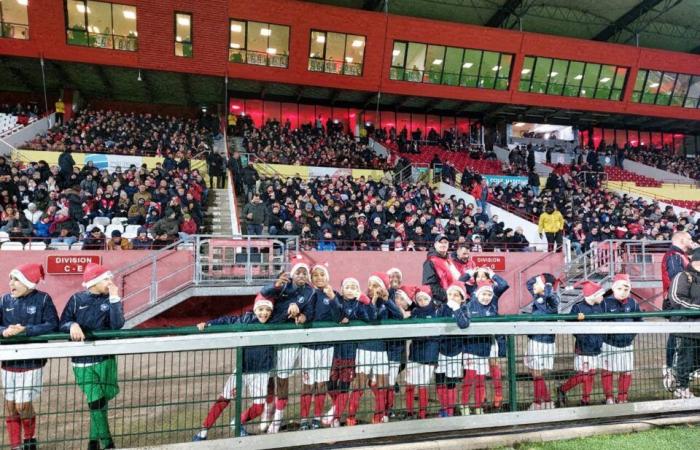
x: 169, y: 378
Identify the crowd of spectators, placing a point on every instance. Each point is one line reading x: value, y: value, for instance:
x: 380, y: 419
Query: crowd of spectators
x: 48, y: 204
x: 345, y: 213
x: 316, y: 144
x: 115, y: 132
x: 665, y: 159
x: 31, y: 109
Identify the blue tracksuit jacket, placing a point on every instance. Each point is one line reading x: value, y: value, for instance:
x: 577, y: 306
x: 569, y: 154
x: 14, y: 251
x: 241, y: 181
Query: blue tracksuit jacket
x: 353, y: 310
x: 258, y: 359
x: 587, y: 344
x: 546, y: 303
x: 612, y: 305
x: 285, y: 296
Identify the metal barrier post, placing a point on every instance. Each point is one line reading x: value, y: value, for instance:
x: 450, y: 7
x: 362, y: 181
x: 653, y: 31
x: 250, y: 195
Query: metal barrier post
x: 248, y: 268
x: 239, y: 392
x: 512, y: 374
x: 154, y: 281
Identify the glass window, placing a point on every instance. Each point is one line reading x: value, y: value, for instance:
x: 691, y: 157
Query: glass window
x: 435, y: 62
x: 14, y: 19
x: 639, y: 85
x: 102, y: 25
x: 259, y: 43
x: 335, y: 49
x: 503, y: 80
x: 453, y: 66
x: 668, y: 82
x: 183, y: 34
x: 526, y: 74
x: 336, y: 53
x: 489, y: 70
x: 398, y: 61
x: 354, y: 55
x: 541, y: 74
x: 574, y: 78
x: 680, y: 90
x: 651, y: 88
x: 605, y: 82
x: 691, y: 100
x: 415, y: 61
x: 618, y: 83
x: 557, y: 77
x: 590, y: 80
x: 470, y: 68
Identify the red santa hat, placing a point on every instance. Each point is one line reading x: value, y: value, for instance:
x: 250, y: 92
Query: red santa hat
x: 299, y: 262
x: 28, y: 274
x: 459, y: 287
x: 621, y: 279
x: 545, y: 278
x: 261, y: 302
x: 348, y: 280
x: 381, y: 278
x: 322, y: 267
x: 94, y: 273
x: 423, y: 291
x: 591, y: 290
x: 482, y: 286
x: 394, y: 270
x: 405, y: 292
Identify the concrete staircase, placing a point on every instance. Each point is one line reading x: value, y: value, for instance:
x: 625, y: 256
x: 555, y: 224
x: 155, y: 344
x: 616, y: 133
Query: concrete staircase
x: 217, y: 220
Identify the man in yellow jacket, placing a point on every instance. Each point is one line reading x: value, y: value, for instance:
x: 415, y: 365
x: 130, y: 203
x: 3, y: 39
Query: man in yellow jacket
x: 552, y: 225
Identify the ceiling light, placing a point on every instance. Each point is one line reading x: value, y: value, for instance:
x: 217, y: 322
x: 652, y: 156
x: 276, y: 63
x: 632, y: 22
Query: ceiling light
x: 178, y: 39
x: 139, y: 77
x: 437, y: 62
x: 654, y: 85
x: 554, y: 74
x: 234, y: 45
x: 358, y: 43
x: 80, y: 7
x: 519, y: 124
x: 396, y: 52
x: 23, y: 2
x: 184, y: 21
x: 583, y: 92
x: 525, y: 71
x: 578, y: 77
x: 467, y: 65
x: 265, y: 32
x: 348, y: 59
x: 271, y: 51
x: 605, y: 79
x: 320, y: 39
x: 129, y: 14
x: 236, y: 28
x: 495, y: 68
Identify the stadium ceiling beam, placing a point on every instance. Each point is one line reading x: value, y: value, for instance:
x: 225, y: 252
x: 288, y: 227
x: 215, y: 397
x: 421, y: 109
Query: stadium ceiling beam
x: 263, y: 91
x: 66, y: 79
x: 372, y: 5
x: 504, y: 12
x: 368, y: 101
x: 104, y: 78
x: 334, y: 96
x: 696, y: 50
x: 430, y: 106
x: 148, y: 86
x: 186, y: 87
x: 625, y: 20
x: 18, y: 75
x: 300, y: 93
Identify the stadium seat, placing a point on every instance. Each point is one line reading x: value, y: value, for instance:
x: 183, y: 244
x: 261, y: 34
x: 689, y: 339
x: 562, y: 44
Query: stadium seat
x: 59, y: 246
x: 119, y: 221
x: 12, y: 246
x: 110, y: 228
x: 77, y: 246
x: 4, y: 237
x: 104, y: 221
x: 35, y: 245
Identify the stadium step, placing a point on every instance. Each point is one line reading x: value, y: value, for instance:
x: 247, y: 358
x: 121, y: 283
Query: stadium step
x: 217, y: 220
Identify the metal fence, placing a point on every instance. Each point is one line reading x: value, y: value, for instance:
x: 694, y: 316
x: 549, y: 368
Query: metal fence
x: 173, y: 382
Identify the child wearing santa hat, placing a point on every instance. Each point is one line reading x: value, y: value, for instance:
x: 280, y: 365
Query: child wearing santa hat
x: 316, y: 359
x: 541, y: 347
x: 617, y: 351
x: 99, y: 307
x: 28, y: 312
x: 477, y: 350
x: 258, y: 362
x: 586, y: 347
x: 292, y: 295
x: 355, y: 306
x: 398, y: 306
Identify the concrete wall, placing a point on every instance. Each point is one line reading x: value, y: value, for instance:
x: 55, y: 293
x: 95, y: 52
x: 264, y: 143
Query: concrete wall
x: 658, y: 174
x: 510, y: 219
x: 25, y: 134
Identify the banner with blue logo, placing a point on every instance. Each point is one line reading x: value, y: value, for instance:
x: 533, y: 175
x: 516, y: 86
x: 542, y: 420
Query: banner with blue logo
x: 503, y: 179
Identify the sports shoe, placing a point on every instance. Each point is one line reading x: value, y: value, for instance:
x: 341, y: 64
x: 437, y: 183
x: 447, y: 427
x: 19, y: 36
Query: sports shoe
x: 443, y: 413
x: 561, y: 397
x: 609, y: 401
x: 266, y: 418
x: 233, y: 428
x: 497, y: 401
x: 316, y: 424
x: 548, y: 405
x: 276, y: 423
x: 478, y: 411
x: 464, y: 410
x: 304, y: 425
x: 327, y: 420
x: 683, y: 393
x: 392, y: 414
x: 198, y: 437
x: 695, y: 374
x: 535, y: 407
x: 29, y: 444
x: 335, y: 424
x: 669, y: 378
x: 351, y: 422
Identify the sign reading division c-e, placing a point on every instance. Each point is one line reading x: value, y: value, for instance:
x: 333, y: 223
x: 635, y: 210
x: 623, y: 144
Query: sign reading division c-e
x: 69, y: 264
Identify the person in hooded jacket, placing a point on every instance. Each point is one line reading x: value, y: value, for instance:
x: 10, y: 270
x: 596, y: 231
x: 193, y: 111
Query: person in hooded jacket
x: 439, y: 271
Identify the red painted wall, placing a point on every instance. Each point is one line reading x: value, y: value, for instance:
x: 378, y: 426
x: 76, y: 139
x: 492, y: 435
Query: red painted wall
x: 210, y: 40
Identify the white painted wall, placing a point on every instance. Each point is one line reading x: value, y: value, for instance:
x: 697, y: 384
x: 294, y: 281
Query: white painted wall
x: 379, y: 149
x: 509, y: 219
x: 25, y: 134
x: 653, y: 172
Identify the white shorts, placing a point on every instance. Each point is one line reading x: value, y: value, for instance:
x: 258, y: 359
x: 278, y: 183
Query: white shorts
x: 254, y: 387
x: 451, y: 366
x: 540, y: 355
x: 22, y: 387
x: 316, y: 365
x: 393, y: 373
x: 617, y: 359
x: 418, y: 374
x: 371, y: 362
x: 479, y: 364
x: 586, y: 363
x: 286, y: 360
x: 494, y: 349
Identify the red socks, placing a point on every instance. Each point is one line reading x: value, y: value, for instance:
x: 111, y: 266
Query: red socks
x: 422, y: 402
x: 624, y: 382
x: 305, y: 405
x: 574, y: 381
x: 214, y: 412
x: 588, y: 387
x: 14, y: 430
x: 606, y: 379
x: 355, y: 397
x: 541, y: 391
x: 319, y: 401
x: 441, y: 390
x: 480, y: 391
x: 341, y: 399
x: 497, y: 383
x: 251, y: 413
x: 379, y: 403
x: 468, y: 382
x: 390, y: 395
x: 451, y: 399
x: 410, y: 392
x: 280, y: 403
x: 29, y: 427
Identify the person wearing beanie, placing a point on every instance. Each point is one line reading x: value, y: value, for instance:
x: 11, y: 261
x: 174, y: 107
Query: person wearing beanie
x: 356, y: 306
x: 257, y: 364
x: 424, y: 353
x: 477, y: 350
x: 317, y: 359
x: 117, y: 242
x: 498, y: 350
x: 439, y: 272
x: 98, y: 307
x: 292, y: 294
x: 24, y: 311
x: 685, y: 295
x: 541, y: 347
x: 587, y: 347
x: 617, y: 351
x: 450, y: 368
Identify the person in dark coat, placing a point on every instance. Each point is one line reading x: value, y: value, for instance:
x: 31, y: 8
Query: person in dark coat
x: 66, y: 162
